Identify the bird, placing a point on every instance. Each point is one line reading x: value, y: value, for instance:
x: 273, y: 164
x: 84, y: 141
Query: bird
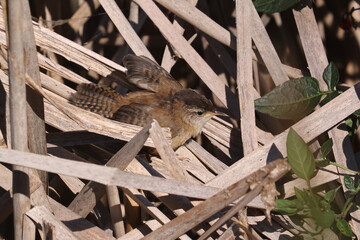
x: 184, y: 111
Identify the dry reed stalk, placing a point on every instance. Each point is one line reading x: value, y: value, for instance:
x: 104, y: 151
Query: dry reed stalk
x: 125, y: 29
x: 112, y: 194
x: 311, y: 42
x: 72, y: 51
x: 106, y: 175
x: 205, y: 157
x: 92, y: 192
x: 150, y: 208
x: 199, y: 20
x: 196, y: 215
x: 222, y: 135
x: 18, y: 118
x: 6, y: 200
x: 327, y: 174
x: 42, y: 216
x: 167, y: 154
x: 266, y: 49
x: 245, y: 76
x: 82, y: 228
x: 270, y: 231
x: 190, y: 13
x: 168, y: 60
x: 35, y: 104
x: 79, y: 18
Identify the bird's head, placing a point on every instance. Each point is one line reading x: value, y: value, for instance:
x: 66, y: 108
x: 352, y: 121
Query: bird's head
x: 192, y: 108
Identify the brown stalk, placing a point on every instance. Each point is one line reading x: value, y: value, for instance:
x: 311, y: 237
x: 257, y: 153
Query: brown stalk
x: 18, y: 119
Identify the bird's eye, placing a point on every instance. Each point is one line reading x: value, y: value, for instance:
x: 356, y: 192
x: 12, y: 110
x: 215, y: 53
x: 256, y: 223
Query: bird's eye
x: 200, y: 113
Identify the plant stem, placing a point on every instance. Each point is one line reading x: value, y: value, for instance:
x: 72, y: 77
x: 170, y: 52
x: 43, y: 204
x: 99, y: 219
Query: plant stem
x: 308, y: 184
x: 311, y: 192
x: 349, y: 202
x: 342, y: 167
x: 326, y: 92
x: 347, y: 206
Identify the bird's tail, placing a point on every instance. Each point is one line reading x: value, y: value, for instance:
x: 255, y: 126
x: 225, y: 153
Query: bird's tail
x: 103, y: 101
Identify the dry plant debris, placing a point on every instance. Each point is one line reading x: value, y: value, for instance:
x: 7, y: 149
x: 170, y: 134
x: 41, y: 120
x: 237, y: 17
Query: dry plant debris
x: 67, y: 173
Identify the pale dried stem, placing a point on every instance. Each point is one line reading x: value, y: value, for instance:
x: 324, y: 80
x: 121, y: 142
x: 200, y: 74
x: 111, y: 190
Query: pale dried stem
x: 35, y: 103
x: 105, y: 174
x: 18, y: 118
x: 125, y: 29
x: 112, y: 194
x: 88, y: 196
x: 81, y: 16
x: 245, y: 76
x: 167, y: 154
x: 206, y: 209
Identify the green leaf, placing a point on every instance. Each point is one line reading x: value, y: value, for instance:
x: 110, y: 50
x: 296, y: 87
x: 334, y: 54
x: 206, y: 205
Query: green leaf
x: 349, y: 182
x: 357, y: 113
x: 331, y: 76
x: 324, y: 204
x: 300, y: 157
x: 314, y: 199
x: 271, y: 6
x: 358, y: 186
x: 322, y: 162
x: 286, y: 207
x: 329, y: 97
x: 300, y: 195
x: 291, y: 100
x: 344, y: 227
x: 349, y: 122
x: 323, y: 218
x: 326, y: 148
x: 330, y: 195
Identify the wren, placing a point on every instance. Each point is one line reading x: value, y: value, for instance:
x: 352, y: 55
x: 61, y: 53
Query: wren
x: 184, y: 111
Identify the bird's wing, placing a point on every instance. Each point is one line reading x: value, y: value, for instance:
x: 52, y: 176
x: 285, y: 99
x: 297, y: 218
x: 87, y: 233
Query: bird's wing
x: 103, y: 101
x: 134, y: 113
x: 142, y: 114
x: 148, y: 75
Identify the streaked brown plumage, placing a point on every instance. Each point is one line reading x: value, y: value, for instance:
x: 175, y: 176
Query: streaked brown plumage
x: 184, y: 111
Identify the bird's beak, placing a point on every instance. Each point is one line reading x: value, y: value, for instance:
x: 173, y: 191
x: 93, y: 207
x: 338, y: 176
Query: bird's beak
x: 216, y: 113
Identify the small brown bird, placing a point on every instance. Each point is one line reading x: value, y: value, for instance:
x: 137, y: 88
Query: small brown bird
x: 184, y: 111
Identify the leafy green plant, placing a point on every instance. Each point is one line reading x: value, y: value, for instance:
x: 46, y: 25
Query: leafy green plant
x: 307, y: 204
x: 298, y: 97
